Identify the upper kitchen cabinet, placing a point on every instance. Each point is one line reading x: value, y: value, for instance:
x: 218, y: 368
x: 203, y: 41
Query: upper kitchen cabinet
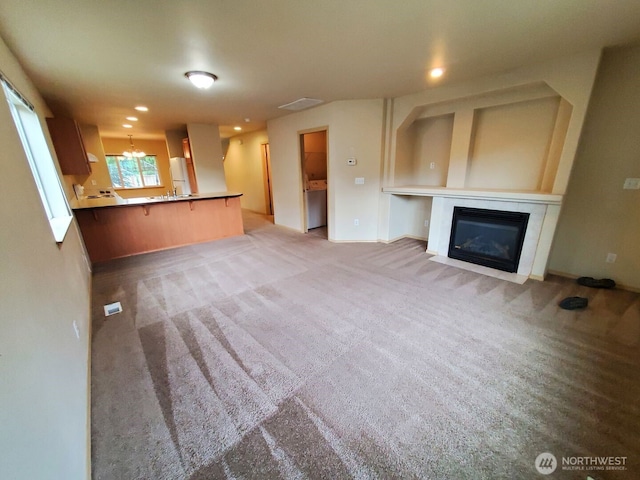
x: 67, y: 140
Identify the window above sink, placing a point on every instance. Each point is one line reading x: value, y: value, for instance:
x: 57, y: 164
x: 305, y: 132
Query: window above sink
x: 133, y: 172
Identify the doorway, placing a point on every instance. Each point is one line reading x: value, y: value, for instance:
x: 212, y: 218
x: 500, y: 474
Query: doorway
x: 313, y: 148
x: 268, y: 192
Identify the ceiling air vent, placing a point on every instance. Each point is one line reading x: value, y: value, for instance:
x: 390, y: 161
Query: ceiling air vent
x: 301, y: 104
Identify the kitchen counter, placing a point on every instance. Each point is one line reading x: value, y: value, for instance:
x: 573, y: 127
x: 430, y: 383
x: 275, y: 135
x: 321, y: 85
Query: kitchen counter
x: 109, y: 201
x: 114, y: 227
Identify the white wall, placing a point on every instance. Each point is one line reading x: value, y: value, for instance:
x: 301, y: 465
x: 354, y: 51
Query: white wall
x: 408, y: 215
x: 599, y: 217
x: 354, y: 129
x: 174, y: 142
x: 44, y: 287
x: 245, y: 170
x: 206, y: 150
x: 510, y: 145
x: 432, y: 145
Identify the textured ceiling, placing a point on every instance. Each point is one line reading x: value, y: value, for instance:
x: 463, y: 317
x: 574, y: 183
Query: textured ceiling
x: 95, y: 60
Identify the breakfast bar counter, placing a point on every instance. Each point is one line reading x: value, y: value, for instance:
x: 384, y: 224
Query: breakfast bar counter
x: 114, y: 227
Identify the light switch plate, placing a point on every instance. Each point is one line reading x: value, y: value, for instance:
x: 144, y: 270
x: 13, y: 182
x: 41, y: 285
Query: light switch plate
x: 359, y: 180
x: 632, y: 184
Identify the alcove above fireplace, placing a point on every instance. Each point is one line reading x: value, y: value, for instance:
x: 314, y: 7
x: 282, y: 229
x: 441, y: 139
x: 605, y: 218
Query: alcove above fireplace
x: 492, y: 238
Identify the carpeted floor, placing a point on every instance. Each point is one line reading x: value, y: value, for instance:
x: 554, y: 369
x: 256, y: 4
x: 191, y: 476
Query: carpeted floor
x: 282, y: 355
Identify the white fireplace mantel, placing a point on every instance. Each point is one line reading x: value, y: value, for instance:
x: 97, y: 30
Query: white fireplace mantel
x: 543, y: 210
x: 477, y: 193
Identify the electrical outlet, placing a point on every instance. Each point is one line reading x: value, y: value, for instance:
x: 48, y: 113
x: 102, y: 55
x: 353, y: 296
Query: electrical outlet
x: 426, y: 223
x: 432, y: 165
x: 112, y: 309
x: 356, y: 222
x: 631, y: 184
x: 611, y: 257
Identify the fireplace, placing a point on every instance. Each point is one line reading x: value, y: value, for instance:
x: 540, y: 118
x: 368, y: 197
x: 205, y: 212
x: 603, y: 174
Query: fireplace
x: 492, y: 238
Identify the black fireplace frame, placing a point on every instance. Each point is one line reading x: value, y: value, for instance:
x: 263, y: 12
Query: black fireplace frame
x: 499, y: 217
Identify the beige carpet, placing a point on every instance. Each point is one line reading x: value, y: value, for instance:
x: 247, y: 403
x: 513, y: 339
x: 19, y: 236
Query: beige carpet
x: 282, y: 355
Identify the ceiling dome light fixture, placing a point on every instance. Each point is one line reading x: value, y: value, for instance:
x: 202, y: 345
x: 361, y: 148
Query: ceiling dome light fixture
x: 436, y: 72
x: 201, y: 79
x: 133, y: 152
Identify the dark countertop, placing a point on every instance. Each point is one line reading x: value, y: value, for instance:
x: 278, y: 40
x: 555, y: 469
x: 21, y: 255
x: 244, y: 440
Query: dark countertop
x: 101, y: 202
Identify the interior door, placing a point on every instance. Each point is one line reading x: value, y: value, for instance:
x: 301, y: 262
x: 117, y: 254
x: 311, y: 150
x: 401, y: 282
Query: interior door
x: 267, y: 178
x: 313, y: 147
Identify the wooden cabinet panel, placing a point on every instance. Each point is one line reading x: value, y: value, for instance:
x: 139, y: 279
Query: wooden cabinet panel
x: 67, y: 140
x: 186, y: 149
x: 113, y: 232
x: 191, y: 171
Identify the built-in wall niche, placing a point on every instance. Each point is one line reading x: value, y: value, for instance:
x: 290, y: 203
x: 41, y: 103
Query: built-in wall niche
x: 510, y: 139
x: 510, y: 145
x: 426, y: 148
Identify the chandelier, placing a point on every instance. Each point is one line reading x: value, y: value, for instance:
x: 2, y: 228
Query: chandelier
x: 133, y: 151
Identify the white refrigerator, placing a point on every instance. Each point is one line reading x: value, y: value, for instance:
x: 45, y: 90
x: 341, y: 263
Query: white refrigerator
x: 179, y: 175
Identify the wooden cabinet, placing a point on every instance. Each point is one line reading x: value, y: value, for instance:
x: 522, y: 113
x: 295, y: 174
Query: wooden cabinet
x: 67, y: 140
x: 191, y: 171
x: 186, y: 148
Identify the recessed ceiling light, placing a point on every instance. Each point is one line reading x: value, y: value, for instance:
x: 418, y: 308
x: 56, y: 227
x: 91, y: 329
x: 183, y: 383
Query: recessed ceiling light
x: 126, y: 125
x: 142, y: 108
x: 201, y: 79
x: 436, y: 72
x: 237, y: 129
x: 247, y: 120
x: 132, y: 119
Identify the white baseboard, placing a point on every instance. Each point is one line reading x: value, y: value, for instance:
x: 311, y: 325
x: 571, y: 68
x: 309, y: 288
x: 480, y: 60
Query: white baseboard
x: 629, y: 288
x: 414, y: 237
x: 353, y: 241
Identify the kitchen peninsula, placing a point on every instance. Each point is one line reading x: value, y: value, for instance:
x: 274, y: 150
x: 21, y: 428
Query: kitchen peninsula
x: 114, y: 227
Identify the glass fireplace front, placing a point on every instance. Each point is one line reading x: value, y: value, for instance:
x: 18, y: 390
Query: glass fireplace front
x: 492, y: 238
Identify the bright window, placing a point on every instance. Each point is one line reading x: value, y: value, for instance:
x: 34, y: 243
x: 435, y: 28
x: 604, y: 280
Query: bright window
x: 40, y: 161
x: 133, y: 172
